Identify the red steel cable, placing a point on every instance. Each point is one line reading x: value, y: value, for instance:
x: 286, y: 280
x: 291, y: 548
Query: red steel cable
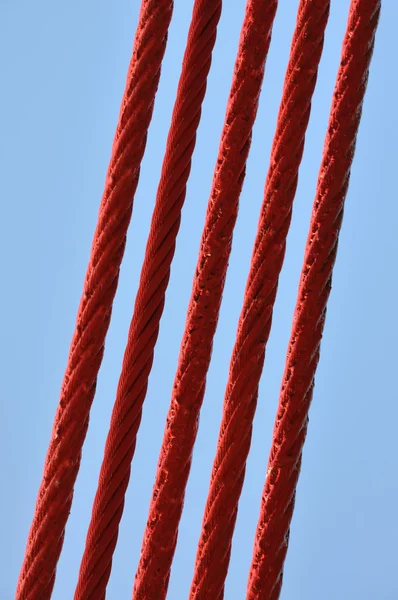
x: 175, y: 458
x: 120, y: 445
x: 272, y: 533
x: 37, y: 576
x: 247, y: 360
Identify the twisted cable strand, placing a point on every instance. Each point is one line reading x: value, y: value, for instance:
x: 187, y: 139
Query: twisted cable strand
x: 126, y: 416
x: 247, y: 360
x: 62, y: 462
x: 160, y: 536
x: 271, y: 540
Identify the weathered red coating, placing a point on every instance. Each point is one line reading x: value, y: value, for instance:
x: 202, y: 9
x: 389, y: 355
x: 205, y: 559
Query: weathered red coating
x: 62, y: 462
x: 240, y: 401
x: 175, y: 457
x: 271, y: 541
x: 126, y: 416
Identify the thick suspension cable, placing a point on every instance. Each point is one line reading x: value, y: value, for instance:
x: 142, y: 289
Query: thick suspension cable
x: 254, y: 326
x: 138, y: 358
x: 271, y: 541
x: 188, y: 390
x: 45, y: 540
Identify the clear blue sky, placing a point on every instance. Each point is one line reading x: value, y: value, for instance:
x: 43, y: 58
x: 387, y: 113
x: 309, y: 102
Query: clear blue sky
x: 63, y: 71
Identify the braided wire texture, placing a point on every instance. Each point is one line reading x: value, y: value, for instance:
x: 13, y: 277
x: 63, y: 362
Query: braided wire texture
x: 138, y: 358
x: 254, y: 326
x: 271, y: 540
x: 160, y: 536
x: 45, y: 540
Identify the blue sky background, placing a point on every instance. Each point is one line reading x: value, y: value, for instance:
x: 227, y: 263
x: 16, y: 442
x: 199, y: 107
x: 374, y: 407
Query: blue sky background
x: 63, y: 71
